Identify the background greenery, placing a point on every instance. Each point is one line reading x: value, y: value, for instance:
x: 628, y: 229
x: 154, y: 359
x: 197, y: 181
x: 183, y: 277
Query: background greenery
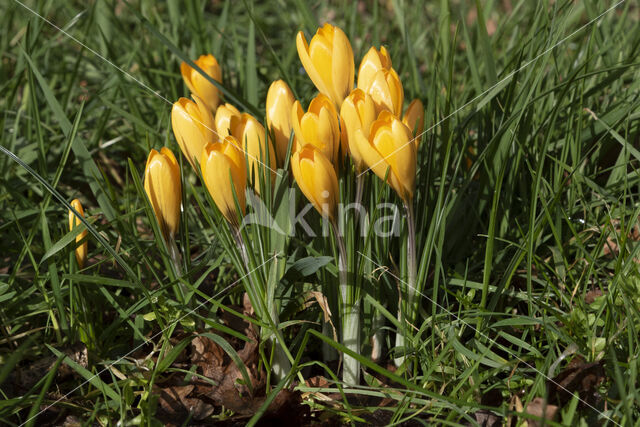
x: 527, y: 206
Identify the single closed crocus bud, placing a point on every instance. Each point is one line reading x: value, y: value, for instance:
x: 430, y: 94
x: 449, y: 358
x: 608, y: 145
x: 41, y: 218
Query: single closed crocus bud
x: 328, y: 60
x: 279, y: 102
x: 414, y: 119
x: 74, y: 221
x: 199, y: 84
x: 223, y: 119
x: 386, y: 91
x: 373, y: 61
x: 193, y: 127
x: 388, y: 148
x: 377, y: 78
x: 319, y: 126
x: 317, y: 179
x: 224, y: 171
x: 251, y: 137
x: 164, y: 190
x: 357, y: 112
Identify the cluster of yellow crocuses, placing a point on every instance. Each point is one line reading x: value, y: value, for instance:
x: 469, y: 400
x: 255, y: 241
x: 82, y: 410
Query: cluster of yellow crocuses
x: 227, y: 146
x: 365, y: 122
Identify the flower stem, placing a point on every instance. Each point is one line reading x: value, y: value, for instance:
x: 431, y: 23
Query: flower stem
x: 176, y: 259
x: 174, y: 254
x: 235, y: 232
x: 281, y: 364
x: 377, y: 324
x: 351, y: 340
x: 407, y: 308
x: 350, y: 308
x: 328, y: 353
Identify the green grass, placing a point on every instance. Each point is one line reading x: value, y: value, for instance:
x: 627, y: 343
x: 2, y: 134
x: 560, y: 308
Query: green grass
x: 510, y: 250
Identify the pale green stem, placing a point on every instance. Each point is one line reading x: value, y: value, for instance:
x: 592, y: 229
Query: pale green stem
x: 281, y: 363
x: 350, y: 316
x: 328, y: 353
x: 377, y: 340
x: 235, y: 232
x: 176, y: 259
x: 351, y: 340
x: 406, y: 309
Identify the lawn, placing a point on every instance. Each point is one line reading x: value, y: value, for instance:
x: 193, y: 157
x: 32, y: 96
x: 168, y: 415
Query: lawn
x: 455, y: 242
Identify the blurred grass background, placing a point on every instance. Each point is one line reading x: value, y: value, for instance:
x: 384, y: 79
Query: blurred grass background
x: 528, y: 195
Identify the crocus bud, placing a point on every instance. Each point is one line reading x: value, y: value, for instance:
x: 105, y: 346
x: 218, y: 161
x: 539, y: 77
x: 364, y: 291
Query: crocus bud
x: 319, y: 126
x: 223, y: 119
x: 328, y: 60
x: 279, y: 102
x: 198, y: 84
x: 251, y: 137
x: 386, y: 91
x: 357, y: 112
x: 193, y: 127
x: 373, y: 61
x: 74, y: 221
x: 389, y: 148
x: 164, y: 190
x: 414, y: 119
x: 317, y: 179
x: 377, y: 78
x: 224, y: 171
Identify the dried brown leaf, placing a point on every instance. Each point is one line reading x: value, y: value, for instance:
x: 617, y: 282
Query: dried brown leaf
x: 585, y: 378
x: 209, y: 357
x: 176, y: 403
x: 541, y: 409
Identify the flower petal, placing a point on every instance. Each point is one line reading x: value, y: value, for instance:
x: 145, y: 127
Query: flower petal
x: 342, y: 66
x: 309, y: 65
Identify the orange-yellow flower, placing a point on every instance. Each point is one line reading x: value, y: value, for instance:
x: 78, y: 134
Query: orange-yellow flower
x: 81, y: 248
x: 193, y: 127
x: 414, y: 119
x: 317, y: 179
x: 377, y: 77
x: 279, y: 102
x: 357, y: 112
x: 387, y: 92
x: 373, y: 61
x: 164, y: 189
x: 198, y: 84
x: 328, y: 60
x: 224, y: 172
x: 223, y: 119
x: 389, y: 152
x: 251, y: 136
x: 319, y: 126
